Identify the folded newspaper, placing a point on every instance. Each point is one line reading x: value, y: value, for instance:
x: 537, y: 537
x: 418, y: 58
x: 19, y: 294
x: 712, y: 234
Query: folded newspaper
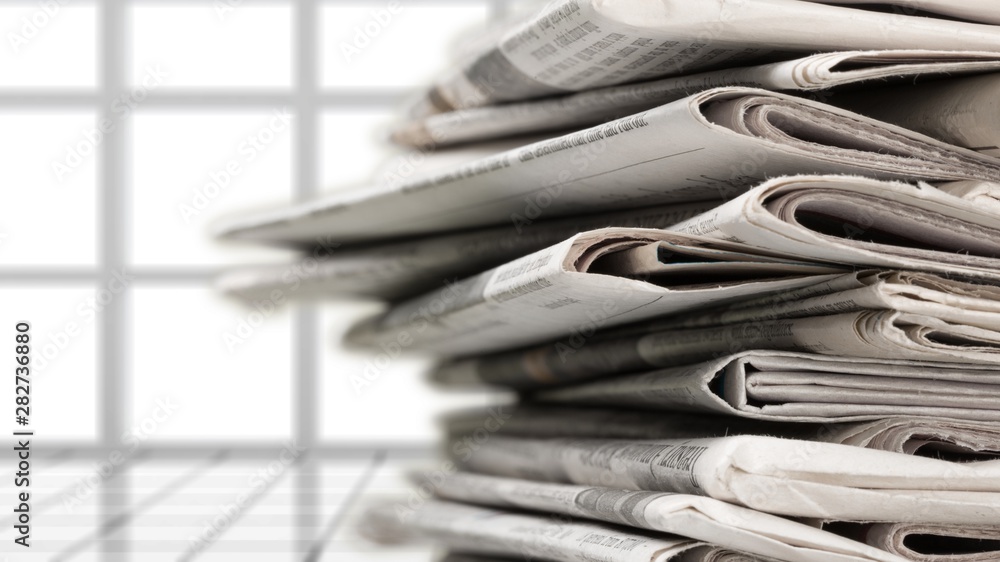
x: 817, y: 72
x: 700, y: 518
x: 405, y: 269
x: 780, y: 476
x: 479, y: 530
x: 860, y: 221
x: 958, y: 441
x: 785, y: 387
x: 709, y: 146
x: 844, y: 220
x: 708, y: 334
x: 574, y: 45
x: 591, y: 278
x: 878, y: 336
x: 961, y: 111
x: 927, y: 543
x: 696, y: 554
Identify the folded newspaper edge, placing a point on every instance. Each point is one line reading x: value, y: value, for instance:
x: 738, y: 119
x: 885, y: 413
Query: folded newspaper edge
x: 872, y: 335
x: 554, y: 51
x: 591, y: 107
x: 960, y: 110
x: 405, y: 269
x: 709, y: 146
x: 972, y: 10
x: 960, y: 441
x: 816, y: 480
x: 756, y: 322
x: 478, y: 530
x: 843, y: 219
x: 696, y: 554
x: 770, y: 385
x: 926, y: 543
x: 545, y: 294
x: 695, y: 517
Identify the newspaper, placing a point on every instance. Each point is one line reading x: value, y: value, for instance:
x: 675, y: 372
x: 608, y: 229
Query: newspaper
x: 958, y: 441
x: 983, y: 193
x: 875, y: 336
x: 817, y: 72
x: 574, y: 45
x: 592, y: 280
x: 984, y: 11
x: 700, y: 518
x: 860, y: 221
x: 928, y: 543
x: 914, y: 292
x: 778, y: 476
x: 961, y: 111
x: 405, y: 269
x: 710, y: 146
x: 585, y: 355
x: 854, y: 221
x: 479, y: 530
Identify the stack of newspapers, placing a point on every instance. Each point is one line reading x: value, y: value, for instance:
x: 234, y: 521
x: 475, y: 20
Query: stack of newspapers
x: 740, y: 261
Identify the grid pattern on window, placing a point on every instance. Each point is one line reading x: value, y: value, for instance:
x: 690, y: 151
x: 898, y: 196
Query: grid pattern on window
x: 151, y: 434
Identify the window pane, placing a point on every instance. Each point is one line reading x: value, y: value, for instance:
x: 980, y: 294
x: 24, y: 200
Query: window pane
x: 354, y: 146
x: 213, y: 44
x: 192, y: 168
x: 49, y: 167
x: 48, y: 44
x: 362, y: 42
x: 222, y: 370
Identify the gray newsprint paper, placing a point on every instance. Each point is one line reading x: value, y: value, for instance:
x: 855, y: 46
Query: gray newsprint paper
x: 478, y: 530
x: 887, y: 314
x: 961, y: 111
x: 793, y: 387
x: 574, y: 45
x: 696, y: 517
x: 984, y: 11
x: 837, y: 219
x: 928, y: 543
x: 697, y: 554
x: 405, y: 269
x: 960, y: 441
x: 594, y: 274
x: 817, y: 72
x: 860, y: 221
x: 709, y: 146
x: 779, y: 476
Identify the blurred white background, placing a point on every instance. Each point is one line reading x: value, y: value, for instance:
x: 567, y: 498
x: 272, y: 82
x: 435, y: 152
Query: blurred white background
x: 128, y: 126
